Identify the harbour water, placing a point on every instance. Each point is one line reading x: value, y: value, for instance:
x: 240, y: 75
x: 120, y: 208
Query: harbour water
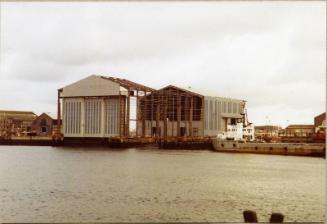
x: 49, y: 184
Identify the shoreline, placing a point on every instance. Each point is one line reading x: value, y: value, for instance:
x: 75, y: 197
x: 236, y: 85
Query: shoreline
x: 287, y: 149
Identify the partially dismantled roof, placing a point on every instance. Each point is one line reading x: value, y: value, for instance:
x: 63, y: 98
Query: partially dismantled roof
x: 129, y: 84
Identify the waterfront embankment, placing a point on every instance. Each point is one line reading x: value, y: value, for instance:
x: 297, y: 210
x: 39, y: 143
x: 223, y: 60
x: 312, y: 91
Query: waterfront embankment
x: 292, y: 149
x: 295, y: 149
x: 28, y: 140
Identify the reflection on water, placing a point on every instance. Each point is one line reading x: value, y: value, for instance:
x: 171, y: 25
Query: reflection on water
x: 45, y: 184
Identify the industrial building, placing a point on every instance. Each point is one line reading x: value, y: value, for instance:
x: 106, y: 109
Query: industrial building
x: 99, y: 107
x: 15, y: 123
x: 177, y: 112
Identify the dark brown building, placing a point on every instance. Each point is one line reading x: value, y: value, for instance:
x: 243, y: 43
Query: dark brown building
x: 320, y: 122
x: 43, y: 125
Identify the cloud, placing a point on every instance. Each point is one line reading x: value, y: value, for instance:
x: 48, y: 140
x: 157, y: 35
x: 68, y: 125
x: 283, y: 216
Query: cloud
x: 271, y: 54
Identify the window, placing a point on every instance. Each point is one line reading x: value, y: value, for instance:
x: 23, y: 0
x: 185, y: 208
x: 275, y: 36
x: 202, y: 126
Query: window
x: 44, y: 129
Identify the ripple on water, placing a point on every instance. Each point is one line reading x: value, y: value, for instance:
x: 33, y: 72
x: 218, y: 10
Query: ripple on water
x: 147, y: 186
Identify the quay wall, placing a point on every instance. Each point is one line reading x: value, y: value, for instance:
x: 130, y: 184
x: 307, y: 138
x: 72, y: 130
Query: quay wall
x: 297, y: 149
x: 30, y: 140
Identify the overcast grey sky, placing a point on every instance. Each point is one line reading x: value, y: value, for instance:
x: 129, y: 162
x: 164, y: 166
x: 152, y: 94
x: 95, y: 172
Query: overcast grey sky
x: 272, y: 54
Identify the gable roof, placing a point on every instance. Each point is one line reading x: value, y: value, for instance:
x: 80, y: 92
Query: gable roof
x: 44, y: 115
x: 200, y: 93
x: 321, y: 115
x: 96, y: 85
x: 127, y: 84
x: 180, y: 89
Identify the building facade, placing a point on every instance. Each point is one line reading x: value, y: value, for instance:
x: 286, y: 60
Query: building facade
x: 177, y: 112
x: 96, y: 107
x: 42, y: 125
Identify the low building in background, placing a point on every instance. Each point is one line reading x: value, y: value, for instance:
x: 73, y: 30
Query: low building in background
x: 266, y: 131
x: 299, y: 130
x: 298, y: 133
x: 15, y: 123
x: 43, y: 125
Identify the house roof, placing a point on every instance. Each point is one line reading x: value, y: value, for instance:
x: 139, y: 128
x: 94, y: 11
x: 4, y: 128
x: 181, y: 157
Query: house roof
x: 44, y: 114
x: 322, y: 114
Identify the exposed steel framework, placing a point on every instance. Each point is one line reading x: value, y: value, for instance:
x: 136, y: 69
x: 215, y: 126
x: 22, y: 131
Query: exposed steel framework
x: 170, y: 104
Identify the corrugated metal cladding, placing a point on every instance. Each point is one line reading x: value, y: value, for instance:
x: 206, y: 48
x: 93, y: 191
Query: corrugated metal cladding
x: 213, y: 112
x: 111, y: 116
x: 91, y: 117
x: 72, y: 118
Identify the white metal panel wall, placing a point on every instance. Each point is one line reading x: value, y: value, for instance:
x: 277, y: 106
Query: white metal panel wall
x: 206, y: 117
x: 92, y: 116
x: 214, y: 107
x: 219, y: 116
x: 71, y: 117
x: 112, y: 117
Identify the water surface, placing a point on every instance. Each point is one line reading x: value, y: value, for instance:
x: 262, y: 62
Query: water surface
x: 48, y: 184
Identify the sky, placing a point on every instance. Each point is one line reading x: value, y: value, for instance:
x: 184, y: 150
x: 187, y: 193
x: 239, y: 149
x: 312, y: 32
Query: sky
x: 271, y: 54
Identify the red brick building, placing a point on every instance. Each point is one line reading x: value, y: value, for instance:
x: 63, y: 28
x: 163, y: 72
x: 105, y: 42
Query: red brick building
x: 320, y: 122
x: 42, y: 125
